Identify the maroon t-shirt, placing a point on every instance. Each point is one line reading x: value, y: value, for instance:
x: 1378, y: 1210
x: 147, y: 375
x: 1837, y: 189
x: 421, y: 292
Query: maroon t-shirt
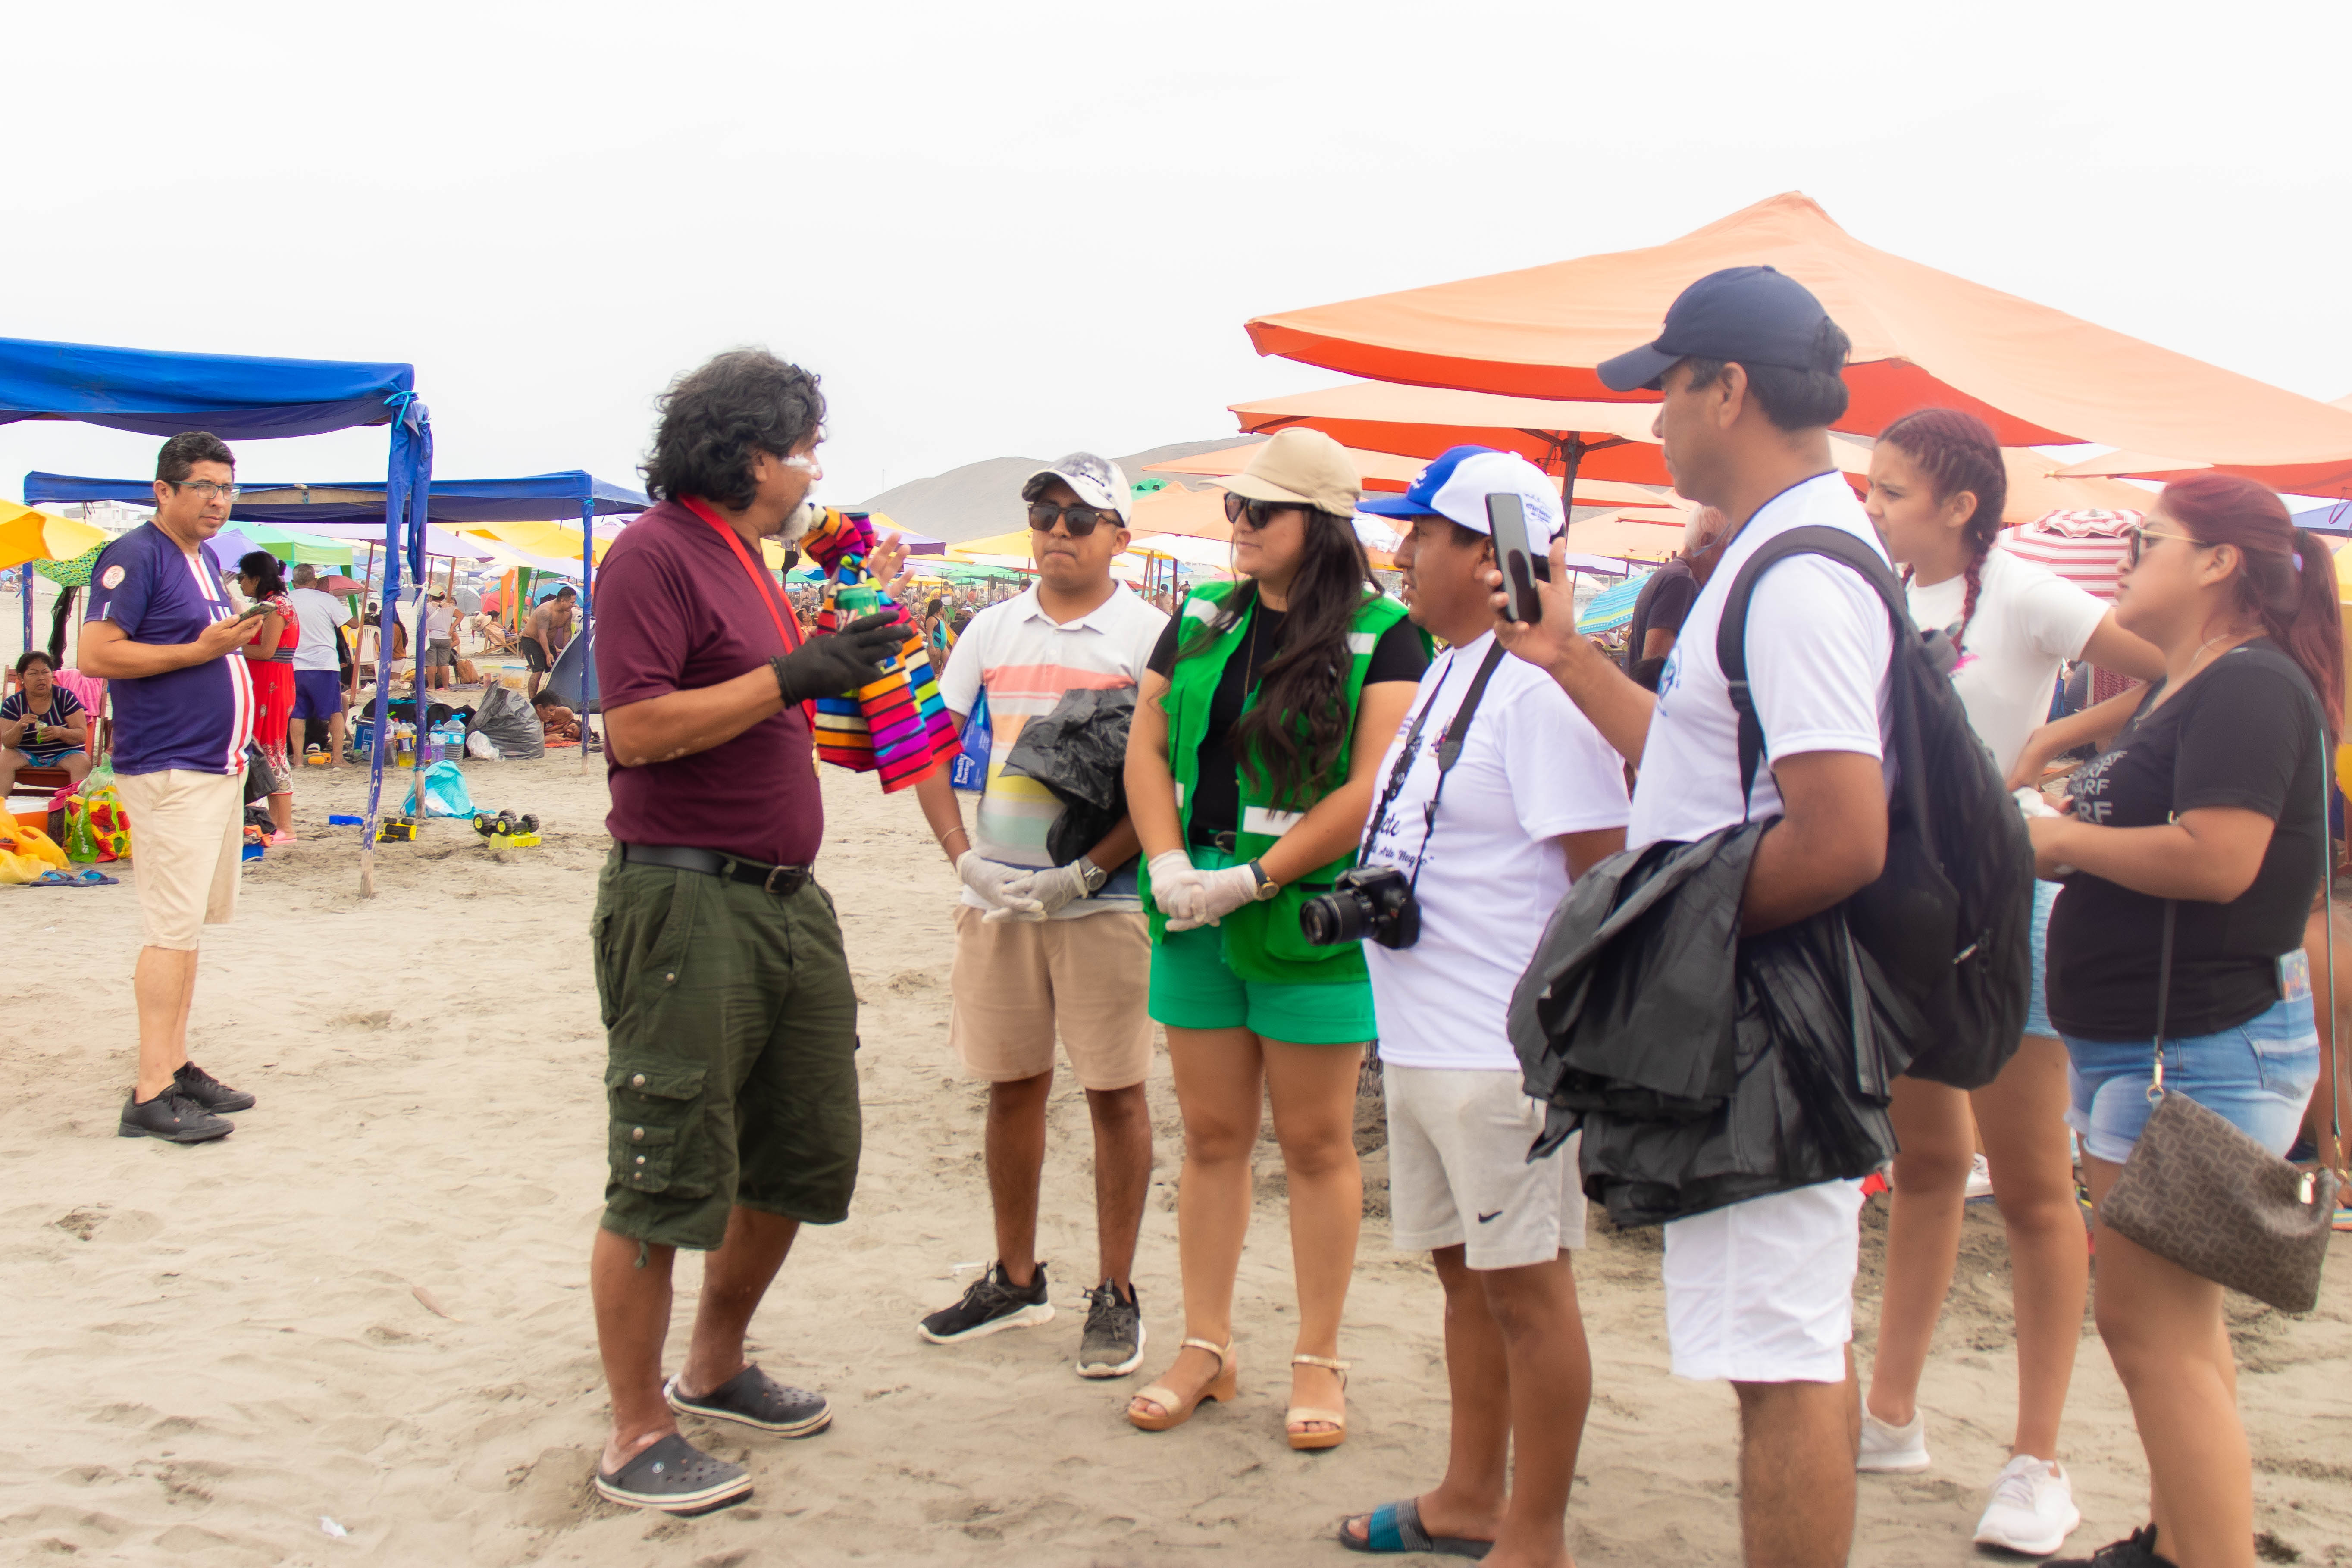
x: 676, y: 610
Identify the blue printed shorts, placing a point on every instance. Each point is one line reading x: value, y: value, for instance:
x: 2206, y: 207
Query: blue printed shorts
x: 2258, y: 1076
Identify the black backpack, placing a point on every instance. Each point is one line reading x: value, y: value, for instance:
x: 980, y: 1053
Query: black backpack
x: 1951, y: 919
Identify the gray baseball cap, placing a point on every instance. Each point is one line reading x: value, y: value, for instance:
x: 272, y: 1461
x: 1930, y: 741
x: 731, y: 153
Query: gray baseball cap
x: 1098, y: 481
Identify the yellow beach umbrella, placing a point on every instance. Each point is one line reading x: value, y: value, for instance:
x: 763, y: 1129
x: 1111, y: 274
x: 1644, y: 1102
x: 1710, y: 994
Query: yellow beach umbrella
x: 27, y: 534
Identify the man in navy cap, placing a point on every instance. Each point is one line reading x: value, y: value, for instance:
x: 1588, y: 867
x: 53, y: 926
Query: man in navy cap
x: 1759, y: 1293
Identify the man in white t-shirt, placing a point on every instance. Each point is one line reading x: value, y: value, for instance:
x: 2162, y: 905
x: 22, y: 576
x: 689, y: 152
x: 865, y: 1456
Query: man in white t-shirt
x: 1760, y: 1292
x: 317, y: 670
x: 1533, y: 795
x: 1045, y: 944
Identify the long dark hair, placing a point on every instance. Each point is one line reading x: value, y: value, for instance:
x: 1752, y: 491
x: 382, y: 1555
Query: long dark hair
x: 1957, y: 451
x: 262, y: 568
x: 60, y: 619
x: 1295, y: 736
x: 2288, y: 578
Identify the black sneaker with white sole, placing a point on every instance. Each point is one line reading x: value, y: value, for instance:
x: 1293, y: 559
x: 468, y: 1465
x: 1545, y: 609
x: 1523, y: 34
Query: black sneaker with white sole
x: 1112, y: 1345
x: 209, y: 1092
x: 173, y: 1117
x: 994, y: 1303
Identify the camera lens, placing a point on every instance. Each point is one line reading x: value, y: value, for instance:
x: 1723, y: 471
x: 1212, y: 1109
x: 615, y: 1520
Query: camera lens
x: 1330, y: 919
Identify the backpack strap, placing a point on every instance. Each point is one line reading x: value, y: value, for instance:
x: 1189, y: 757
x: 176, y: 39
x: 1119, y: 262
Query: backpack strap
x: 1731, y: 632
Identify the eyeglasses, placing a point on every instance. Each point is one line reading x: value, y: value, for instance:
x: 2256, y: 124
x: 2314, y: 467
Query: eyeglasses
x: 1259, y: 512
x: 2135, y: 545
x: 207, y: 488
x: 1081, y: 518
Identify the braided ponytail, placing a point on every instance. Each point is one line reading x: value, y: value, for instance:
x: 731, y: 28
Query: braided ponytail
x: 1957, y: 451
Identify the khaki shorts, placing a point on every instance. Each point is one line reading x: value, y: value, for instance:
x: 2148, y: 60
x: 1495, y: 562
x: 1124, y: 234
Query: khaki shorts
x: 1016, y: 983
x: 187, y: 836
x: 1459, y: 1174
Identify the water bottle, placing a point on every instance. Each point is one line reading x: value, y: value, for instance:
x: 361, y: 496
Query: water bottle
x: 452, y: 736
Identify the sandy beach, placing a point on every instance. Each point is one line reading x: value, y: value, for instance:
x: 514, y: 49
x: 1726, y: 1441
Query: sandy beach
x: 358, y: 1330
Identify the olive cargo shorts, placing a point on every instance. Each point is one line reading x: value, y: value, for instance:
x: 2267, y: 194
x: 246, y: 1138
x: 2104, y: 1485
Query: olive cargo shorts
x: 731, y: 1037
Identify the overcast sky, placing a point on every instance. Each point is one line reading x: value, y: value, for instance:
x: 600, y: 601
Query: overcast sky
x: 1025, y: 228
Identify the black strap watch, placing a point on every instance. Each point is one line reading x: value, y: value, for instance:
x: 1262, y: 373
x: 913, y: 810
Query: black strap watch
x: 1267, y: 887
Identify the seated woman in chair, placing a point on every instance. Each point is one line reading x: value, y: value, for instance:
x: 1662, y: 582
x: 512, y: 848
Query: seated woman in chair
x: 42, y: 724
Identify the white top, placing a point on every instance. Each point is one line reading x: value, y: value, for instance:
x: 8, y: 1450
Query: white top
x: 1025, y: 661
x: 438, y: 621
x: 1492, y: 868
x: 318, y: 614
x: 2029, y: 621
x: 1818, y: 647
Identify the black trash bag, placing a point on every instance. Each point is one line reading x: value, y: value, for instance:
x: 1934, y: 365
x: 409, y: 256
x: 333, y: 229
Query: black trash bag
x: 506, y: 720
x: 1079, y: 751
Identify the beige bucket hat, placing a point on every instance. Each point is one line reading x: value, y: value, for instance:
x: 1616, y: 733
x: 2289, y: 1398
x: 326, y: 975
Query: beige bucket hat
x: 1305, y: 467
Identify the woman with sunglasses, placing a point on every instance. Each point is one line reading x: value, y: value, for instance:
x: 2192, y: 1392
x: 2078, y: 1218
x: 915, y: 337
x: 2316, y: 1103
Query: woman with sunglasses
x: 2192, y: 851
x: 1937, y: 486
x: 1257, y: 733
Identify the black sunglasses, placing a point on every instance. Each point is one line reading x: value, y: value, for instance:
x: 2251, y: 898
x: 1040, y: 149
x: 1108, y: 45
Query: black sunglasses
x: 1081, y: 518
x: 1260, y: 513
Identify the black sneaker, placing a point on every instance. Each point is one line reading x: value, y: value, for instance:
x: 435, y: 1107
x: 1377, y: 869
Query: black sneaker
x: 209, y: 1092
x: 1113, y: 1343
x: 2136, y: 1550
x: 173, y: 1117
x: 992, y: 1303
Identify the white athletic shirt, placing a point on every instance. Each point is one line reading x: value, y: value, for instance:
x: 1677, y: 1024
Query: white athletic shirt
x: 2029, y: 621
x: 1818, y: 647
x: 1533, y: 768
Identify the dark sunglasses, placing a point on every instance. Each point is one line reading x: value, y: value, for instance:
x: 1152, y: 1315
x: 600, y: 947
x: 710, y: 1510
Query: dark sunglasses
x: 2135, y: 546
x: 1260, y: 513
x: 1082, y: 520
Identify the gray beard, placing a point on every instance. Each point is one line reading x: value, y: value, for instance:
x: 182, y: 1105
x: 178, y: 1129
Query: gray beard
x: 803, y: 518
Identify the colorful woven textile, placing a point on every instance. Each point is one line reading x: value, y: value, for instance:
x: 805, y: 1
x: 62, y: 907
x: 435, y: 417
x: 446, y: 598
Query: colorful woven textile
x: 897, y: 727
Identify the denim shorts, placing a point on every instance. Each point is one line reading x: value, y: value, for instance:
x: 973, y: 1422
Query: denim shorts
x: 2037, y: 1001
x: 2258, y: 1076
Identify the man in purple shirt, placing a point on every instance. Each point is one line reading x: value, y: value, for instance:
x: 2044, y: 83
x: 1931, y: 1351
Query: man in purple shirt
x: 162, y: 633
x: 731, y: 1023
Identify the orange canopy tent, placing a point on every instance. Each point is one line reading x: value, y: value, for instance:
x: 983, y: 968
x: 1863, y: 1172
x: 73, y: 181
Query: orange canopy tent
x: 2322, y: 477
x: 1393, y: 472
x: 1921, y: 337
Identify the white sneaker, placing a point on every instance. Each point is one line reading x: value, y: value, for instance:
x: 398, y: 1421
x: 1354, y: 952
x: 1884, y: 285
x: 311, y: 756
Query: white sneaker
x: 1893, y: 1450
x: 1979, y: 1178
x: 2031, y: 1511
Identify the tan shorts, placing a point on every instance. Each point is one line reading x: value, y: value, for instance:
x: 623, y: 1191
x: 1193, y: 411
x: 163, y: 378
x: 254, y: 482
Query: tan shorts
x: 187, y: 838
x: 1459, y: 1174
x: 1017, y: 982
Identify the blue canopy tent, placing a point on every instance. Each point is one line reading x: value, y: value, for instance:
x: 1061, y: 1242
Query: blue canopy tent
x: 1611, y: 608
x: 246, y: 397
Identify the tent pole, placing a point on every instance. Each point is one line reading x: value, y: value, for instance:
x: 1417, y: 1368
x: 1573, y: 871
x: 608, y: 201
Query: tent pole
x: 24, y: 577
x: 587, y: 622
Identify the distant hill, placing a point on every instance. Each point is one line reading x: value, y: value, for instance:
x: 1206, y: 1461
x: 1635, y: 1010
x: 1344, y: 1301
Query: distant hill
x: 982, y: 499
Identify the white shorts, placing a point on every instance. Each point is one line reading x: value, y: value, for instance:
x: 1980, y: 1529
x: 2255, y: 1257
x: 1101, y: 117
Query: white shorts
x: 1763, y: 1292
x: 1458, y: 1169
x: 188, y: 846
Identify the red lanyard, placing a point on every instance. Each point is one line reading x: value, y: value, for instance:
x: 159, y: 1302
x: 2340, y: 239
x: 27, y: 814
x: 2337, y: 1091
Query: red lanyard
x: 787, y: 627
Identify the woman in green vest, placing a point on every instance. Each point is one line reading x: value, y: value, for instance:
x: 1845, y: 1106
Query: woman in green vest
x: 1260, y: 722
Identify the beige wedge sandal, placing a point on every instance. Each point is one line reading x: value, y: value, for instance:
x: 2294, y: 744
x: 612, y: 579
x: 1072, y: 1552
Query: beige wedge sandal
x: 1338, y: 1418
x: 1174, y: 1411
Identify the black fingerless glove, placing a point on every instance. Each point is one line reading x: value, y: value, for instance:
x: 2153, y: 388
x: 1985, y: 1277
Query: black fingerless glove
x: 839, y: 661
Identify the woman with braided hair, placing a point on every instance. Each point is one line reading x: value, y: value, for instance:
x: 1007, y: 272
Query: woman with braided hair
x: 1936, y: 491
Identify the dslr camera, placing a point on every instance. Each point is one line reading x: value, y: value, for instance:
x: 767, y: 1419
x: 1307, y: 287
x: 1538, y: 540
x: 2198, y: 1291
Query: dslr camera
x: 1369, y: 904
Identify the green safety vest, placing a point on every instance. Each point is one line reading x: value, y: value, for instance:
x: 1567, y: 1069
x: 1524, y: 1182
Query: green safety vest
x: 1262, y: 941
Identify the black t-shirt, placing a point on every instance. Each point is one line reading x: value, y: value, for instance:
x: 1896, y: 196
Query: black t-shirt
x: 1217, y: 794
x: 1661, y: 605
x: 2242, y: 733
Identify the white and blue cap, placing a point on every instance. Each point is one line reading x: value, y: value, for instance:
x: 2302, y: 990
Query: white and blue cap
x: 1455, y: 487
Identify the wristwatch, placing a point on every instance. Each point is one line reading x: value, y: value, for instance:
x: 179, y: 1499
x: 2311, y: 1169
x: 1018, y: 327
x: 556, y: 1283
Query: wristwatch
x: 1267, y: 887
x: 1091, y: 874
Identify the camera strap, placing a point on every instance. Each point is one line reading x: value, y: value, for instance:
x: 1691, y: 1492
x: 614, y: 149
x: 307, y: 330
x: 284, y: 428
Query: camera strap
x: 1449, y: 751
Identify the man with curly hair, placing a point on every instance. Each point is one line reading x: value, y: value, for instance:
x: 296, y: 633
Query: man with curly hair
x: 731, y: 1023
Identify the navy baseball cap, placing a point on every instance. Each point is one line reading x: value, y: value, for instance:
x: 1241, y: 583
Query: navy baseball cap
x: 1751, y: 315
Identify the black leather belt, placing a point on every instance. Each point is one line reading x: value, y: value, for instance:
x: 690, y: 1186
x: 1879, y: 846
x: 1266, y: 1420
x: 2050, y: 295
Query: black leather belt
x: 1227, y: 842
x: 778, y: 879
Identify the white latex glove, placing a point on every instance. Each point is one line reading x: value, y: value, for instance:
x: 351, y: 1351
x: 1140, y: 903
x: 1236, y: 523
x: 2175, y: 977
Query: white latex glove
x: 993, y: 882
x: 1176, y: 888
x: 1049, y: 890
x: 1221, y: 892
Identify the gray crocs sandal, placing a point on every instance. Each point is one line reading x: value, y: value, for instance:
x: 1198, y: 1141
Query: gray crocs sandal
x: 752, y: 1398
x: 675, y: 1477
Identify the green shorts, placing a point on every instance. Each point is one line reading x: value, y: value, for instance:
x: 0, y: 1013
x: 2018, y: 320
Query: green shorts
x: 1193, y: 989
x: 730, y: 1035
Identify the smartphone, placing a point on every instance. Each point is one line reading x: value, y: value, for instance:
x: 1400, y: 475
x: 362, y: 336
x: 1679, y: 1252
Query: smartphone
x: 253, y: 612
x: 1522, y: 566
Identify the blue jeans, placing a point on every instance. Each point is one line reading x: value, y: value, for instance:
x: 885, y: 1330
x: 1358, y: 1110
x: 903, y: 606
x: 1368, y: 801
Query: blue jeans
x: 2257, y: 1076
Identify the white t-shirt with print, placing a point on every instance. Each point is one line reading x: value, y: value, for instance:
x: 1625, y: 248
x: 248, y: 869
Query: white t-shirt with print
x: 1025, y: 661
x: 2028, y: 622
x: 1818, y: 643
x: 1492, y: 870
